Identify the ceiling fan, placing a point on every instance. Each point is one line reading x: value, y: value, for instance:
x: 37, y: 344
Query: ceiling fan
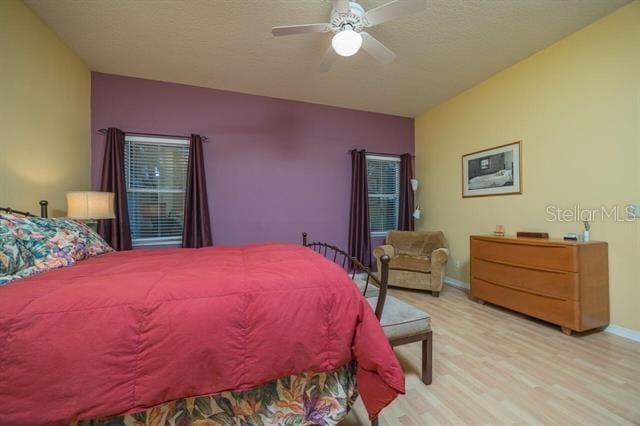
x: 348, y: 21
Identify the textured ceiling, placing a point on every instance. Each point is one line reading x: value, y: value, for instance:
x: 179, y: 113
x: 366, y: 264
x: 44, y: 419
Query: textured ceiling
x: 227, y: 44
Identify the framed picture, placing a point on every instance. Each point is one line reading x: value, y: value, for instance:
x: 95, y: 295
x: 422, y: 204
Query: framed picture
x: 493, y: 171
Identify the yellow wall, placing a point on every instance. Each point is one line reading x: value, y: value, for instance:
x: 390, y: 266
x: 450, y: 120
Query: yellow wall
x: 576, y: 107
x: 44, y: 113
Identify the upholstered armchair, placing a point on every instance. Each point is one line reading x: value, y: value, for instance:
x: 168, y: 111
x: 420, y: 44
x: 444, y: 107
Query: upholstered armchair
x: 417, y: 261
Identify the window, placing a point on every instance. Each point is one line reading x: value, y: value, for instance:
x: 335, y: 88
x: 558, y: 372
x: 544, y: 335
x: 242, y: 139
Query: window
x: 156, y: 176
x: 383, y: 184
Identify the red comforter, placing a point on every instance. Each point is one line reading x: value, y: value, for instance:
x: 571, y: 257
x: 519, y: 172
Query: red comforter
x: 131, y: 330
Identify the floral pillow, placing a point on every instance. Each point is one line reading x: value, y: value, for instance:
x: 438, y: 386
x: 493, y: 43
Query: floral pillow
x: 87, y: 243
x: 15, y: 260
x: 11, y: 259
x: 57, y: 242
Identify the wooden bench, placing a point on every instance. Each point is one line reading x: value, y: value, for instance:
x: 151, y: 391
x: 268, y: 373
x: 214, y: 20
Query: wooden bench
x: 401, y: 322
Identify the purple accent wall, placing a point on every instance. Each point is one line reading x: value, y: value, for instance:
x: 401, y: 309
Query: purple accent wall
x: 274, y: 167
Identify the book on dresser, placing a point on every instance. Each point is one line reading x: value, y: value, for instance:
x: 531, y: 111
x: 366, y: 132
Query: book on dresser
x: 561, y: 282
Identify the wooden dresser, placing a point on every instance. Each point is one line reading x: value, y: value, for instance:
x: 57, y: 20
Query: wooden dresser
x: 562, y: 282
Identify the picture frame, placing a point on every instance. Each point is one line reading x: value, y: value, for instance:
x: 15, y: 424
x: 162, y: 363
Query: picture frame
x: 493, y: 171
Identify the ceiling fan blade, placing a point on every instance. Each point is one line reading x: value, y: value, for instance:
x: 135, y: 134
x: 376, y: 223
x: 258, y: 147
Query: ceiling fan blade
x: 299, y: 29
x: 327, y: 59
x: 376, y: 49
x: 392, y: 10
x: 341, y: 6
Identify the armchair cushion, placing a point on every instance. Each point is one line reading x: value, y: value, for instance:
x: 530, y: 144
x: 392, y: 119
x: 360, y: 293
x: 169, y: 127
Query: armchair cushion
x: 411, y: 263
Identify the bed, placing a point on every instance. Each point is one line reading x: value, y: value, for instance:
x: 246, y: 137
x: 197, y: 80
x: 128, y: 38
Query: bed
x: 259, y: 334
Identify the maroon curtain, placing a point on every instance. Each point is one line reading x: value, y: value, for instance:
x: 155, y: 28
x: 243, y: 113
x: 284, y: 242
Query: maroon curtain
x: 116, y: 231
x: 359, y: 235
x: 405, y: 213
x: 197, y: 229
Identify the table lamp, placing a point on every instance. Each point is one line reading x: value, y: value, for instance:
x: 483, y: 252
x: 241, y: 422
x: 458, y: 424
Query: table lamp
x: 89, y: 206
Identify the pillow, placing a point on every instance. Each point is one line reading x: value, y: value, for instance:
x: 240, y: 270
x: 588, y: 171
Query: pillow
x: 48, y: 249
x: 13, y: 255
x: 56, y: 242
x: 15, y: 260
x: 87, y: 242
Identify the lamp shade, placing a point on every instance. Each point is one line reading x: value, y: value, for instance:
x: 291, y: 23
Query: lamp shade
x: 88, y: 205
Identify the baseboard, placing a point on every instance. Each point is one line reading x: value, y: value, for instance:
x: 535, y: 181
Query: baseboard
x: 456, y: 283
x: 613, y: 329
x: 624, y: 332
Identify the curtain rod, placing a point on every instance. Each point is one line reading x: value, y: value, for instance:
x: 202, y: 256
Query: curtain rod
x: 384, y: 154
x: 204, y: 138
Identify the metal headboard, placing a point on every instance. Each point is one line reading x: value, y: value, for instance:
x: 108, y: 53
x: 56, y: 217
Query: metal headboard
x: 353, y: 265
x: 44, y: 206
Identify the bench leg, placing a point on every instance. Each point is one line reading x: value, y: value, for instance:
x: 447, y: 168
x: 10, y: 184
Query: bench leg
x: 427, y: 359
x: 435, y: 293
x: 374, y: 422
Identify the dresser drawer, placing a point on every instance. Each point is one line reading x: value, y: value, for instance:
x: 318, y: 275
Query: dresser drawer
x: 561, y: 312
x: 557, y: 284
x: 549, y: 256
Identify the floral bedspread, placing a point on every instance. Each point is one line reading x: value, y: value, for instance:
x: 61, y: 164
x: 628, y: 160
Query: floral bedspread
x: 303, y: 399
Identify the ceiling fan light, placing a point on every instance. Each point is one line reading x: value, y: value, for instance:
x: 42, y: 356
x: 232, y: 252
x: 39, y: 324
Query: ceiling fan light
x: 346, y: 42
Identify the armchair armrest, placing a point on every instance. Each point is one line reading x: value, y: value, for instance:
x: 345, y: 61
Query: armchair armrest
x: 387, y: 249
x: 438, y: 260
x: 439, y: 256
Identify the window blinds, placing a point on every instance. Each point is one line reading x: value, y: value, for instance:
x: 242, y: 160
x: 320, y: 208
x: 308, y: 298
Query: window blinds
x: 383, y: 183
x: 156, y: 175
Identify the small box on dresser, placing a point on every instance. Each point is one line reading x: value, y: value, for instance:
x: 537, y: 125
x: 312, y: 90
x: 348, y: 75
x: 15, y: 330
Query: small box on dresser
x: 562, y: 282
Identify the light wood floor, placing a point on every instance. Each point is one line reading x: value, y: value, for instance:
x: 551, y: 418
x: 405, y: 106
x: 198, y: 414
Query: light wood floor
x: 493, y: 366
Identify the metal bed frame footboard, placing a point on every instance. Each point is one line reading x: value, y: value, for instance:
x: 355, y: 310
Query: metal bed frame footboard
x: 352, y: 266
